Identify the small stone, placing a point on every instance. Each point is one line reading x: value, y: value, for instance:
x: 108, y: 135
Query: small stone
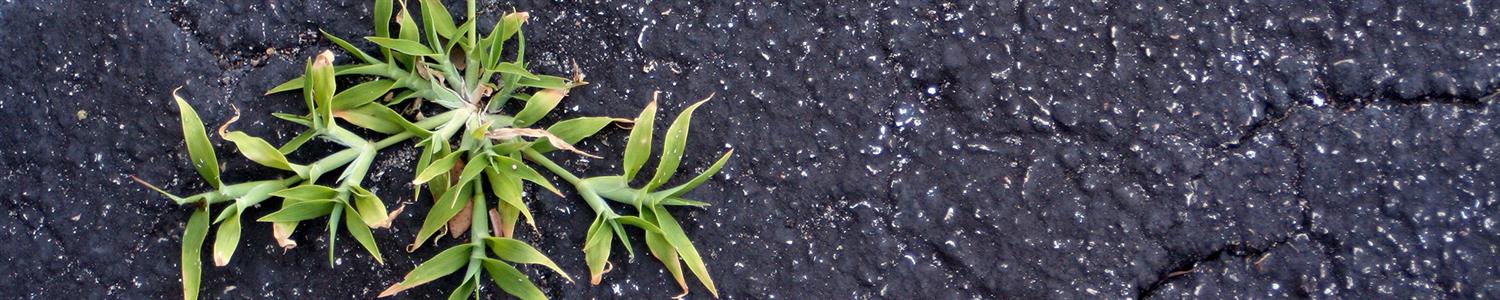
x: 82, y: 114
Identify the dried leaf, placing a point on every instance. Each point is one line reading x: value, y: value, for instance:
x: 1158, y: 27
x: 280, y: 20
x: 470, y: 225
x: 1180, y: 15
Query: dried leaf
x: 505, y: 134
x: 460, y: 222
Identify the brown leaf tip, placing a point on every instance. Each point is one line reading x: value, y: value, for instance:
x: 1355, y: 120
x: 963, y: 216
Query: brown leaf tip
x: 324, y: 59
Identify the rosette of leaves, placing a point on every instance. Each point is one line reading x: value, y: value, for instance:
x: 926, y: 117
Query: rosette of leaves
x: 360, y: 209
x: 474, y: 154
x: 665, y: 238
x: 347, y: 205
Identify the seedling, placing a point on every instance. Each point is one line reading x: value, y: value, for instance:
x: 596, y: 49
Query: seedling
x: 472, y: 151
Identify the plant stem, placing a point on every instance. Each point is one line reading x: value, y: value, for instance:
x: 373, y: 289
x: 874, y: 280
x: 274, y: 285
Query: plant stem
x: 589, y: 195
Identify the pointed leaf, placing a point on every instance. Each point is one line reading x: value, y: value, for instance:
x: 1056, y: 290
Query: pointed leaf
x: 360, y: 54
x: 519, y: 252
x: 638, y: 146
x: 301, y: 211
x: 702, y: 177
x: 446, y: 207
x: 434, y: 11
x: 544, y: 82
x: 401, y: 45
x: 638, y: 222
x: 574, y: 130
x: 505, y: 163
x: 307, y: 192
x: 596, y: 249
x: 664, y: 252
x: 538, y: 106
x: 371, y: 210
x: 672, y: 147
x: 443, y: 264
x: 685, y: 249
x: 200, y: 151
x: 382, y: 18
x: 361, y: 232
x: 360, y: 94
x: 227, y: 238
x: 510, y: 280
x: 438, y: 167
x: 192, y: 252
x: 515, y: 69
x: 260, y: 151
x: 297, y: 141
x: 464, y: 290
x: 508, y: 188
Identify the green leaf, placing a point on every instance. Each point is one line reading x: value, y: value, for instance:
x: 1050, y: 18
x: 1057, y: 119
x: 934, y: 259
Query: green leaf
x: 192, y: 251
x: 505, y: 163
x: 573, y: 130
x: 371, y: 210
x: 678, y: 201
x: 200, y: 151
x: 297, y: 142
x: 446, y: 207
x: 175, y: 198
x: 307, y: 192
x: 538, y: 106
x: 261, y: 152
x: 360, y: 54
x: 508, y: 188
x: 407, y: 47
x: 381, y: 118
x: 519, y: 252
x: 302, y: 211
x: 382, y: 19
x: 438, y: 167
x: 672, y: 147
x: 675, y: 236
x: 638, y: 222
x: 515, y: 69
x: 544, y: 82
x: 702, y: 177
x: 638, y: 146
x: 360, y: 69
x: 300, y: 120
x: 443, y: 264
x: 664, y: 252
x: 510, y: 280
x: 464, y: 290
x: 362, y: 93
x: 227, y: 238
x: 434, y: 12
x: 364, y: 118
x: 596, y: 248
x: 320, y: 75
x: 361, y: 232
